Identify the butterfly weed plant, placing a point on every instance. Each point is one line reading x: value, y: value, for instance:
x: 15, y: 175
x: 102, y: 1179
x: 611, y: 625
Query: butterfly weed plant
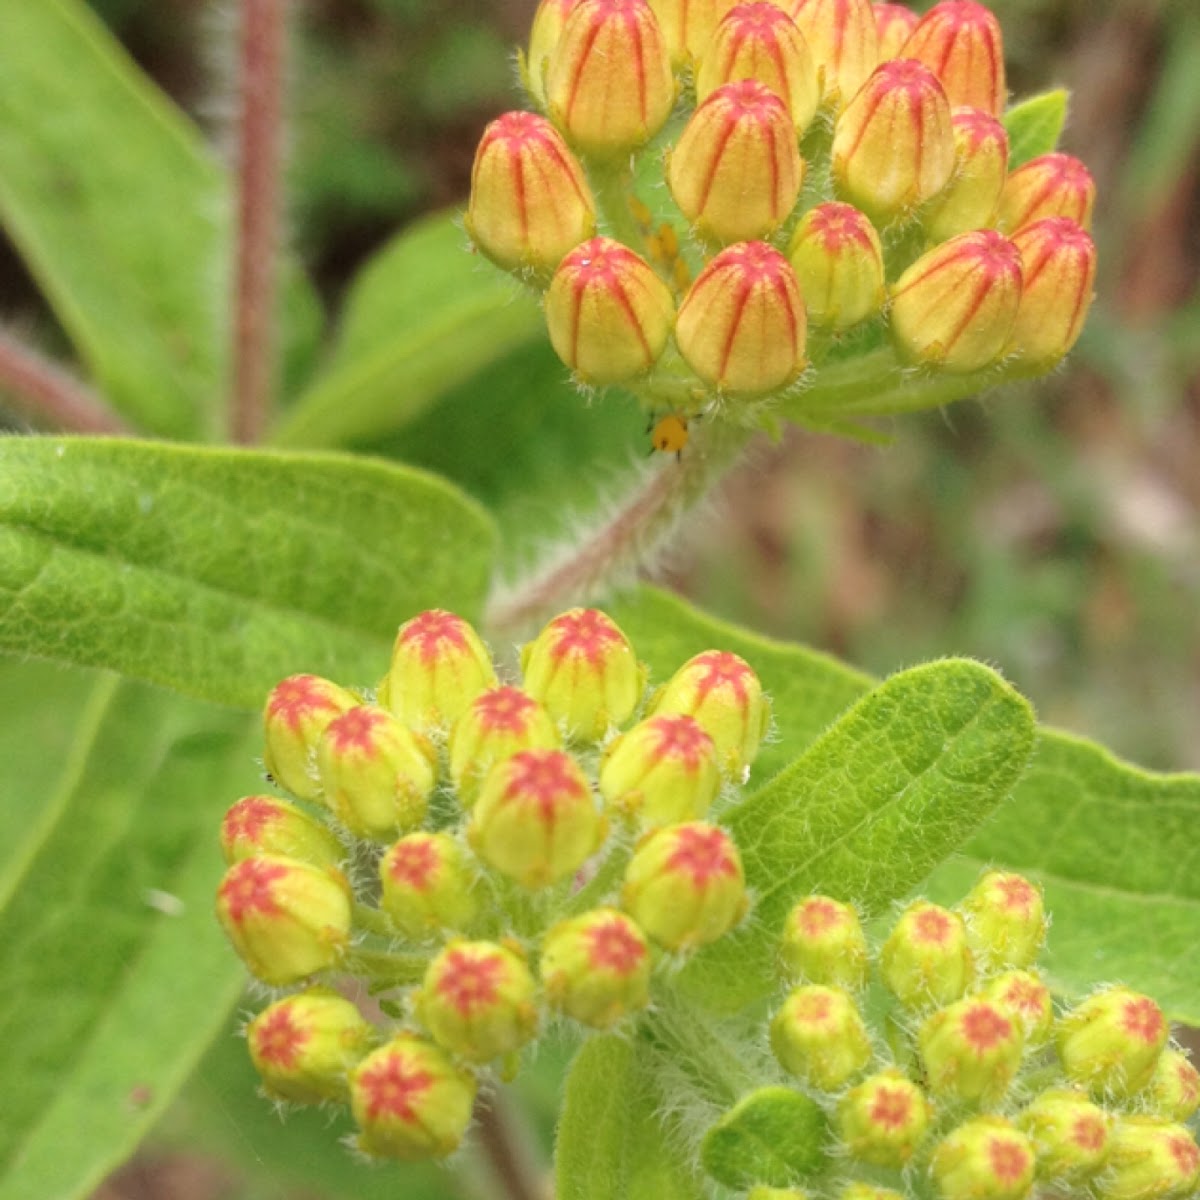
x: 794, y: 924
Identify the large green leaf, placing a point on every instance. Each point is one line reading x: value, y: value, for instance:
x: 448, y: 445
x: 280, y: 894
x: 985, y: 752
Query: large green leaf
x: 116, y: 976
x: 219, y: 572
x: 424, y: 316
x: 1034, y: 126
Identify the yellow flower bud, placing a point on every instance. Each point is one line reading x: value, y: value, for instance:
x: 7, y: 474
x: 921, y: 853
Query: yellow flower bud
x: 972, y: 197
x: 428, y: 884
x: 1024, y: 997
x: 1006, y: 920
x: 819, y: 1037
x: 838, y: 260
x: 823, y: 942
x: 926, y: 959
x: 894, y: 24
x: 971, y: 1050
x: 1071, y: 1136
x: 267, y: 825
x: 688, y: 25
x: 987, y: 1158
x: 1174, y: 1087
x: 1150, y: 1159
x: 297, y: 711
x: 1112, y: 1041
x: 548, y: 22
x: 961, y: 42
x: 883, y: 1119
x: 1053, y: 185
x: 845, y: 45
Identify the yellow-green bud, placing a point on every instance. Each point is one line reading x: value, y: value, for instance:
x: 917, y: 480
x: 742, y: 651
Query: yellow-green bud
x: 428, y: 884
x: 819, y: 1037
x: 972, y: 197
x: 1150, y: 1159
x: 297, y: 711
x: 267, y: 825
x: 845, y: 45
x: 596, y: 967
x: 962, y: 42
x: 548, y: 22
x: 1024, y: 997
x: 971, y: 1050
x: 661, y: 771
x: 838, y: 258
x: 1070, y: 1134
x: 894, y: 24
x: 823, y: 942
x: 684, y: 885
x: 1174, y: 1088
x: 763, y: 1191
x: 410, y: 1101
x: 535, y: 820
x: 926, y: 959
x: 478, y: 1001
x: 1112, y: 1041
x: 1052, y: 185
x: 286, y: 919
x: 883, y: 1119
x: 1006, y: 920
x: 584, y: 671
x: 303, y: 1046
x: 867, y: 1191
x: 987, y: 1158
x: 688, y: 25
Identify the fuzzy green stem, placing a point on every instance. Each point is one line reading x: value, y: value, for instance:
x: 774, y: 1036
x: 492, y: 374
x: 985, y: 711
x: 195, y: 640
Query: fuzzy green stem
x: 612, y: 184
x: 380, y: 968
x: 372, y: 920
x: 697, y: 1048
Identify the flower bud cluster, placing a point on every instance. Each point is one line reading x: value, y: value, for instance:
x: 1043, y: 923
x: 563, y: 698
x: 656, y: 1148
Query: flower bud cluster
x: 487, y: 854
x: 830, y: 165
x: 946, y: 1070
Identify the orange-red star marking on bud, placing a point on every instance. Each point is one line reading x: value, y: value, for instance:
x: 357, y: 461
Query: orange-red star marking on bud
x: 932, y: 926
x: 1016, y: 894
x: 812, y: 1008
x: 891, y: 1108
x: 247, y: 819
x: 1189, y: 1080
x: 1088, y: 1133
x: 984, y: 1027
x: 545, y: 777
x: 355, y: 730
x: 298, y: 697
x: 504, y: 710
x: 431, y: 632
x: 721, y: 669
x: 614, y: 947
x: 393, y: 1088
x: 702, y: 854
x: 470, y: 981
x: 817, y: 917
x: 414, y: 864
x: 1009, y: 1160
x: 248, y: 889
x: 587, y: 634
x: 278, y: 1040
x: 1185, y: 1153
x: 1142, y: 1019
x: 1025, y: 995
x: 681, y: 738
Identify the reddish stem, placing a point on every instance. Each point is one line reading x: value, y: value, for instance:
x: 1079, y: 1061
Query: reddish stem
x: 507, y: 1156
x: 260, y: 168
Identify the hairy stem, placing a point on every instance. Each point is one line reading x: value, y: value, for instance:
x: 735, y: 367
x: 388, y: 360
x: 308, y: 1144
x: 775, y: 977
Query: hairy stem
x: 46, y: 394
x: 261, y: 51
x: 512, y: 1170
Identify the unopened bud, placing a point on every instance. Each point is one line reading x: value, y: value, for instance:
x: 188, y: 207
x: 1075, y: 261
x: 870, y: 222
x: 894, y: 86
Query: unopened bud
x: 297, y: 711
x: 1006, y: 920
x: 1112, y: 1041
x: 496, y: 724
x: 894, y: 23
x: 1070, y: 1134
x: 841, y: 35
x: 823, y: 942
x: 535, y: 820
x: 267, y: 825
x: 1150, y: 1159
x: 302, y: 1046
x: 893, y: 145
x: 867, y: 1191
x: 477, y: 1000
x: 961, y: 42
x: 548, y: 22
x: 584, y: 671
x: 1059, y: 261
x: 1174, y: 1088
x: 1053, y: 185
x: 926, y: 959
x: 684, y: 885
x: 819, y: 1037
x: 955, y: 307
x: 410, y: 1101
x: 721, y: 692
x: 609, y: 86
x: 972, y: 197
x: 438, y: 667
x: 688, y: 25
x: 763, y: 1191
x: 1024, y: 997
x: 987, y: 1158
x: 883, y: 1119
x: 971, y: 1050
x: 838, y: 259
x: 596, y: 967
x: 286, y: 919
x: 427, y: 885
x: 736, y: 171
x: 760, y: 41
x: 530, y: 202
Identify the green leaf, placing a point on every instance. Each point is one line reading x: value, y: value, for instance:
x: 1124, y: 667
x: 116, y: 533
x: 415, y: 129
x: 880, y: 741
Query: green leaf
x: 774, y: 1136
x: 1116, y: 850
x: 1035, y: 125
x: 217, y: 573
x: 869, y: 810
x: 424, y: 316
x: 116, y: 976
x: 612, y: 1144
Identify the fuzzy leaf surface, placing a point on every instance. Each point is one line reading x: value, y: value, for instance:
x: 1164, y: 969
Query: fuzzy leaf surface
x: 1035, y: 125
x: 217, y: 573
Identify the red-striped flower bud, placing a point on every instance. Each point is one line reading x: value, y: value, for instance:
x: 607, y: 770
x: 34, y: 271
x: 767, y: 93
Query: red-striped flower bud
x: 1006, y: 920
x: 838, y: 259
x: 410, y: 1101
x: 884, y: 1118
x: 1112, y: 1041
x: 548, y: 22
x: 427, y: 884
x: 609, y: 86
x: 893, y: 146
x: 971, y: 1050
x: 1174, y: 1089
x: 684, y: 885
x: 987, y: 1158
x: 584, y: 671
x: 760, y: 41
x: 477, y: 1000
x: 823, y: 942
x: 1059, y: 262
x: 742, y: 326
x: 376, y: 774
x: 1070, y: 1135
x: 845, y: 46
x: 1053, y: 185
x: 303, y: 1046
x: 596, y: 967
x: 297, y: 711
x: 1024, y: 997
x: 608, y: 314
x: 689, y: 24
x: 893, y: 23
x: 267, y: 825
x: 972, y: 197
x: 535, y: 820
x: 819, y: 1037
x: 662, y: 771
x: 960, y: 41
x: 286, y: 919
x: 438, y: 667
x: 530, y: 202
x: 495, y: 726
x: 736, y: 172
x: 955, y: 307
x: 926, y: 959
x: 1150, y: 1159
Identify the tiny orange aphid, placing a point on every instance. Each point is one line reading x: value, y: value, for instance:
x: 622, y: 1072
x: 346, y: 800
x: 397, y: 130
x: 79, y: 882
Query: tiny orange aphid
x: 669, y: 434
